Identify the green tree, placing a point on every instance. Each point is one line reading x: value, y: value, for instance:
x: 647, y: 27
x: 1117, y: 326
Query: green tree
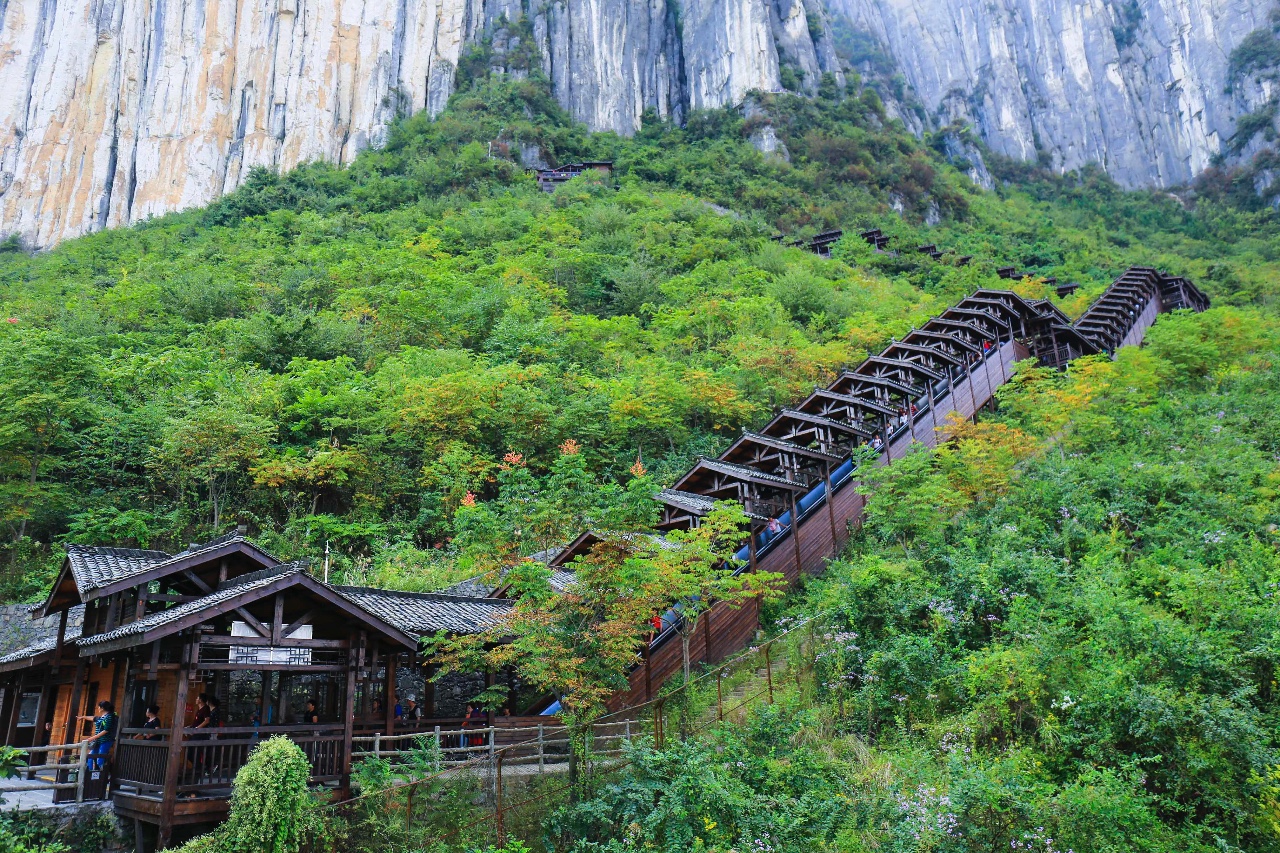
x: 698, y: 570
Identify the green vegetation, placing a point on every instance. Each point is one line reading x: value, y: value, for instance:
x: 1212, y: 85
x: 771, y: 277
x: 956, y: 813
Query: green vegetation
x: 1057, y: 632
x: 1079, y: 656
x: 342, y: 355
x: 272, y: 810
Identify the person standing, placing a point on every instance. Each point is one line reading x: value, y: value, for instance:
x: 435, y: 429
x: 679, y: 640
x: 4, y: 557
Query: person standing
x: 104, y: 733
x: 152, y: 722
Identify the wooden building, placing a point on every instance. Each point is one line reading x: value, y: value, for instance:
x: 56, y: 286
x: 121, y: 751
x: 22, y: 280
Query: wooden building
x: 227, y: 619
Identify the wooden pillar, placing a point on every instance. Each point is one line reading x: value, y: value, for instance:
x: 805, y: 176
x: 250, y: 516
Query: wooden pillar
x: 11, y: 729
x: 73, y: 709
x: 44, y: 708
x: 348, y: 725
x: 176, y: 756
x: 389, y: 702
x: 264, y: 700
x: 831, y: 510
x: 795, y: 533
x: 126, y: 698
x: 62, y: 639
x: 428, y: 703
x: 751, y: 544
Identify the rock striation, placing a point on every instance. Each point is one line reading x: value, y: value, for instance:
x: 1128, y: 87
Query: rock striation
x: 112, y: 111
x: 1139, y: 87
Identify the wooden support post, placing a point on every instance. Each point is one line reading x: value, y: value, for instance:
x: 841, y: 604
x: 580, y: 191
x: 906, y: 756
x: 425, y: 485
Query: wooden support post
x: 126, y: 699
x: 428, y: 702
x: 768, y: 671
x: 348, y: 727
x: 264, y: 700
x: 389, y: 702
x: 795, y: 533
x: 277, y: 620
x: 176, y: 756
x: 497, y: 798
x: 62, y: 639
x: 47, y: 692
x: 751, y: 544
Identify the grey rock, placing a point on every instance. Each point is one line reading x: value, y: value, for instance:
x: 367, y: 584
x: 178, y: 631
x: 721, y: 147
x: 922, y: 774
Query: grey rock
x: 1077, y: 81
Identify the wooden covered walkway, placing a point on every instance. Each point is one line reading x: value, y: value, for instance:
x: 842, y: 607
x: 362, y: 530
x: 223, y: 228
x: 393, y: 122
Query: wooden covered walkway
x: 799, y: 465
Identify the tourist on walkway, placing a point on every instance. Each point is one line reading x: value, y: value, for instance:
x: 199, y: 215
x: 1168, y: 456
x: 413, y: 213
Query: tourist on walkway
x: 104, y: 733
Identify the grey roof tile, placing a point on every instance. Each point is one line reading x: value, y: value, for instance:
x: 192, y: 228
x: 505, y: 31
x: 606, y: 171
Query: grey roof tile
x: 94, y: 567
x: 242, y: 584
x: 423, y: 613
x: 470, y: 588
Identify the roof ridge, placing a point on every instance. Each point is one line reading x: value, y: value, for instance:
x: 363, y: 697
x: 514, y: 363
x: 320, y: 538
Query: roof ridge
x: 424, y: 596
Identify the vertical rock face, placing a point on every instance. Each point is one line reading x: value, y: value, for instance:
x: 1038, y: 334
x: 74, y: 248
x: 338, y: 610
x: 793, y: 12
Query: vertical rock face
x: 115, y: 110
x: 1137, y: 86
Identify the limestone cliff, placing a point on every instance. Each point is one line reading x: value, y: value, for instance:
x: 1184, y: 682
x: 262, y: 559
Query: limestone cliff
x: 1139, y: 87
x: 115, y: 110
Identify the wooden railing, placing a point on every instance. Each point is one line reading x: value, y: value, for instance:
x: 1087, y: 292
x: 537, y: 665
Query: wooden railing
x: 63, y: 770
x: 540, y: 744
x: 211, y: 759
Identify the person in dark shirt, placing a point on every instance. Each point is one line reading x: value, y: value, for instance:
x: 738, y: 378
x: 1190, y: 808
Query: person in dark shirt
x: 152, y: 722
x: 312, y: 715
x: 196, y: 755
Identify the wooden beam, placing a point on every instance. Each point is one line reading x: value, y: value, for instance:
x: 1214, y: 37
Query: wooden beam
x: 223, y: 640
x: 252, y: 622
x: 195, y: 579
x: 299, y: 622
x: 389, y: 688
x: 348, y: 728
x: 254, y: 667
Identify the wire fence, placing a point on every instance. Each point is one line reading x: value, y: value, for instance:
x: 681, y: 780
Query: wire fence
x: 424, y: 793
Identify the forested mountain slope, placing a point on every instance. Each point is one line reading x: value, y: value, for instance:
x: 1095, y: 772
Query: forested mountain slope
x: 344, y: 356
x: 1076, y: 653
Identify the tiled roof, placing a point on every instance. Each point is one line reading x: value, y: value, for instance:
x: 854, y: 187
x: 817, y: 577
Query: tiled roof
x: 39, y: 647
x: 96, y: 567
x: 230, y: 589
x: 562, y: 579
x: 423, y: 613
x: 470, y: 588
x: 745, y: 472
x: 688, y: 501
